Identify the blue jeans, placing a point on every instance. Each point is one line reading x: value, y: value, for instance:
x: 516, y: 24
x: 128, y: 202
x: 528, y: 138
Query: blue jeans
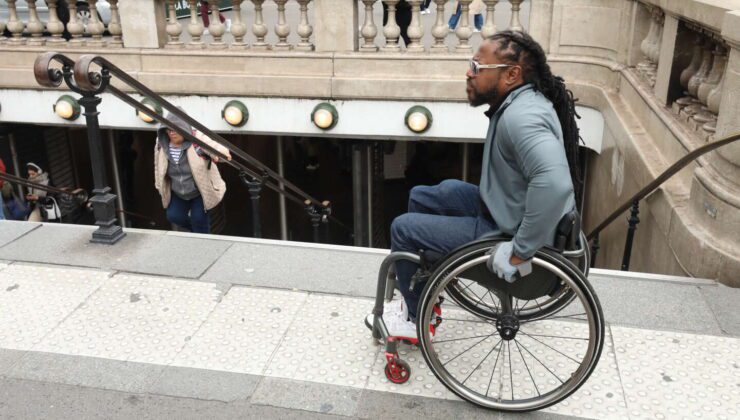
x: 197, y: 219
x: 440, y: 219
x: 477, y: 19
x: 2, y: 207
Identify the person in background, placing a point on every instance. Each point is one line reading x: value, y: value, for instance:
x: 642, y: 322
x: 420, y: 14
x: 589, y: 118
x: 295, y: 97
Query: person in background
x: 186, y: 176
x: 37, y: 175
x: 204, y: 10
x: 476, y: 9
x: 403, y: 18
x: 425, y: 7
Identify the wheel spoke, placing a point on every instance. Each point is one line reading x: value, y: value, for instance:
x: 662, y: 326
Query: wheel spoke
x: 464, y: 338
x: 548, y: 369
x: 546, y: 345
x: 562, y: 317
x: 465, y: 351
x: 527, y: 366
x: 481, y: 362
x: 554, y: 336
x: 511, y: 374
x: 494, y: 371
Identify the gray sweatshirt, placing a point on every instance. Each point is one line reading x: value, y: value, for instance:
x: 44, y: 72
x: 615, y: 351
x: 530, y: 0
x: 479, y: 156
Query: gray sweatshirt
x: 525, y: 179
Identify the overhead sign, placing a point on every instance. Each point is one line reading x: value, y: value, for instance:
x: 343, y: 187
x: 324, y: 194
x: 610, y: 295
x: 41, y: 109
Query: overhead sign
x: 182, y: 9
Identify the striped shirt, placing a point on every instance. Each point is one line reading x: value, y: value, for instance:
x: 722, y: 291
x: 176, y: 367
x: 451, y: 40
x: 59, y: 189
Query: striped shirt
x: 175, y: 152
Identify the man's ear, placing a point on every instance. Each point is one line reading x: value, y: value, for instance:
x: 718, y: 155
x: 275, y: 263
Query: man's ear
x: 513, y: 76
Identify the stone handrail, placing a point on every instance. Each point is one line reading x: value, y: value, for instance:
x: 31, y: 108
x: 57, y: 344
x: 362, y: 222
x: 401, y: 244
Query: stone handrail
x: 707, y: 13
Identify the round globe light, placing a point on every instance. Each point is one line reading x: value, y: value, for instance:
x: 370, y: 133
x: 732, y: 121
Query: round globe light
x: 147, y: 119
x: 67, y: 107
x: 323, y: 118
x: 418, y: 122
x: 64, y: 109
x: 235, y: 113
x: 418, y: 119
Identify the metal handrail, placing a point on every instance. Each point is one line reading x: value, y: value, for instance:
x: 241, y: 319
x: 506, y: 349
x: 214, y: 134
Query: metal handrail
x: 672, y: 170
x: 634, y: 201
x: 78, y: 192
x: 98, y: 82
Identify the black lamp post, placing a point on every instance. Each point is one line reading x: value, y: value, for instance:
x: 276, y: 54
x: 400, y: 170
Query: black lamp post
x: 103, y: 202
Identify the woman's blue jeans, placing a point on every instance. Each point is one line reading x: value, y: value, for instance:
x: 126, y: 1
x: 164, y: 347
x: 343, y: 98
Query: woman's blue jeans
x: 440, y: 218
x: 477, y: 19
x: 188, y: 214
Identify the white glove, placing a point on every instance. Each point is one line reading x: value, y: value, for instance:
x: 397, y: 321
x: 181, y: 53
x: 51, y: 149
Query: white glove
x: 499, y: 262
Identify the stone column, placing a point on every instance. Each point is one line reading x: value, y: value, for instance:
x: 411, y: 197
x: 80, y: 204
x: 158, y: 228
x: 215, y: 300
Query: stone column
x: 15, y: 25
x: 369, y: 29
x: 216, y: 28
x: 335, y: 23
x: 391, y: 30
x: 54, y: 26
x: 304, y: 29
x: 174, y: 28
x: 282, y: 29
x: 114, y: 26
x: 238, y: 28
x: 715, y: 189
x: 143, y: 23
x: 416, y: 29
x: 259, y: 28
x: 439, y: 31
x: 195, y: 27
x: 35, y: 26
x: 665, y: 60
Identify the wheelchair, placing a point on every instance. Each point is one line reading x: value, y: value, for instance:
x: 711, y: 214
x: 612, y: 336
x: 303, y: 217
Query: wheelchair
x: 514, y: 347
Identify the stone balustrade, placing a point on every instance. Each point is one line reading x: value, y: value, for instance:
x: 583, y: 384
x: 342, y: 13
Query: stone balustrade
x: 79, y: 29
x: 263, y: 25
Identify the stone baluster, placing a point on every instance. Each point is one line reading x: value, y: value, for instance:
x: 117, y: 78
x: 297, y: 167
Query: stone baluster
x: 440, y: 29
x: 75, y: 28
x: 114, y: 26
x: 713, y: 101
x: 54, y: 26
x: 687, y: 74
x: 238, y: 28
x: 95, y: 26
x: 258, y: 27
x: 15, y: 25
x: 463, y: 30
x: 416, y: 29
x: 2, y: 30
x: 305, y: 29
x: 697, y: 79
x: 195, y: 27
x: 282, y: 29
x: 516, y: 24
x: 369, y: 30
x: 215, y: 27
x: 35, y: 26
x: 489, y: 28
x: 174, y: 28
x: 705, y: 115
x: 643, y: 65
x: 391, y: 30
x: 654, y: 51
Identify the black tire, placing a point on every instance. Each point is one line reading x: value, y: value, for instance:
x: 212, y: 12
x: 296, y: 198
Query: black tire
x: 585, y: 350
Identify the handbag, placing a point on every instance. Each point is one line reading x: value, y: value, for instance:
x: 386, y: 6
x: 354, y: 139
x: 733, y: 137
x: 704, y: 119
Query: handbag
x: 49, y: 208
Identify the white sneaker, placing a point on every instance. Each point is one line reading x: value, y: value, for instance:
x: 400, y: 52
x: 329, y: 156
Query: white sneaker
x: 396, y: 321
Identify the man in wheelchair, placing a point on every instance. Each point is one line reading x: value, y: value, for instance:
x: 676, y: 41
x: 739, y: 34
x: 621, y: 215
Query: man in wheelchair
x: 527, y: 179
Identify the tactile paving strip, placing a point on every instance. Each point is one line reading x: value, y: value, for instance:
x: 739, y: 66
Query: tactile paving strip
x: 328, y: 343
x: 135, y: 318
x: 670, y: 375
x: 243, y: 331
x: 35, y: 299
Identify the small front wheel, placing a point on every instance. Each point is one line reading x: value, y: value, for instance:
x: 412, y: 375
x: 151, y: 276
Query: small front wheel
x: 397, y: 371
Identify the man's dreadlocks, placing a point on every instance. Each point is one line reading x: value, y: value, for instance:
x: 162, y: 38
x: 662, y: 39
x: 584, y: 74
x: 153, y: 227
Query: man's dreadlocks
x: 521, y: 49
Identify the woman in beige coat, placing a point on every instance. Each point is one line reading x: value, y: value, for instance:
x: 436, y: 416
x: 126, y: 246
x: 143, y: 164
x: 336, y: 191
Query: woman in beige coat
x: 476, y: 9
x: 187, y: 177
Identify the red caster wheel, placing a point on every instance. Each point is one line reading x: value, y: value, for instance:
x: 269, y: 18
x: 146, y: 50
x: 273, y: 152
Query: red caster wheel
x: 397, y: 371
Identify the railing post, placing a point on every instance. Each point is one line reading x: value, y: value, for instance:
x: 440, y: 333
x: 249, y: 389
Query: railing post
x: 595, y: 246
x: 143, y: 23
x: 255, y: 189
x: 632, y: 221
x: 103, y: 201
x: 15, y: 26
x: 335, y: 25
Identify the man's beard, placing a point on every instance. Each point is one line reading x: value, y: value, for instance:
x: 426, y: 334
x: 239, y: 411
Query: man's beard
x: 480, y: 98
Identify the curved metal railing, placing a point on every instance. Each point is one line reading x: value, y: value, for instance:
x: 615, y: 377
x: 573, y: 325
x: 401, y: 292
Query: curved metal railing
x: 634, y: 201
x: 81, y: 78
